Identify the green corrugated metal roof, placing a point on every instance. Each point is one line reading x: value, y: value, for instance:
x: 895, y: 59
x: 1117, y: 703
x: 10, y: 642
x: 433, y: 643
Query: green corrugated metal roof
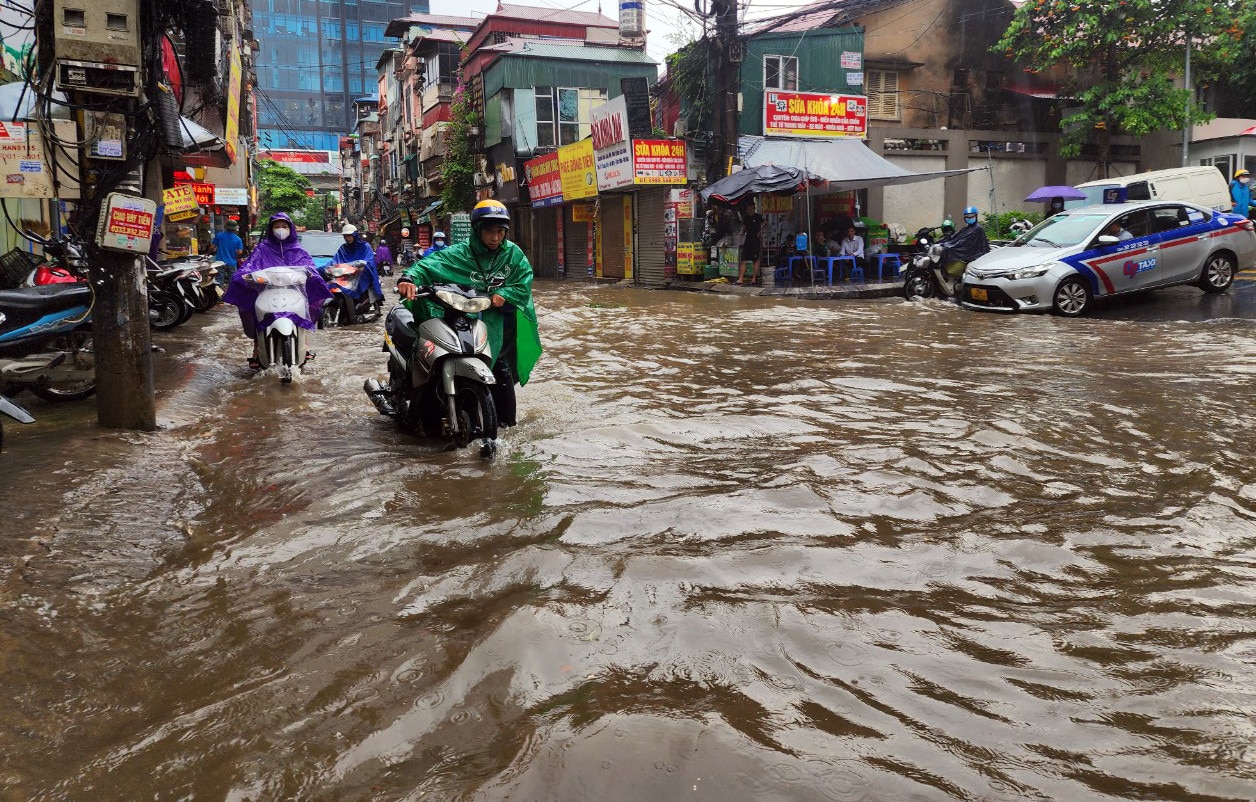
x: 618, y: 55
x: 562, y: 65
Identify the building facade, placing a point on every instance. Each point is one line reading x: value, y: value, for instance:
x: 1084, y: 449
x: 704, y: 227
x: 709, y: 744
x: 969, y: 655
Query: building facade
x: 315, y: 59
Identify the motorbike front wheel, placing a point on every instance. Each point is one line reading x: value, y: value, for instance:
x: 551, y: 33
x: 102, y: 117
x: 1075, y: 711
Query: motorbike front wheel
x: 919, y: 284
x: 165, y: 311
x: 81, y: 359
x: 477, y: 416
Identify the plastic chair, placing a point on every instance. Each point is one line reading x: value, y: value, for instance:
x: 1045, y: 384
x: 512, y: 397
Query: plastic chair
x: 825, y: 272
x: 894, y: 263
x: 784, y: 276
x: 849, y: 261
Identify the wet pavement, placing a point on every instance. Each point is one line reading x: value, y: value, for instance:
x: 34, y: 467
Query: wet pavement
x: 738, y: 548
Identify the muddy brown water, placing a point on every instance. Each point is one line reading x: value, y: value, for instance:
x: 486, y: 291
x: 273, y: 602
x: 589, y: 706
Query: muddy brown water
x: 737, y: 549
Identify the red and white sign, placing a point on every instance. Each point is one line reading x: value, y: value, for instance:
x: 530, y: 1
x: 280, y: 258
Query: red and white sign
x: 296, y: 156
x: 545, y: 184
x: 204, y: 192
x: 658, y: 161
x: 814, y: 114
x: 612, y: 150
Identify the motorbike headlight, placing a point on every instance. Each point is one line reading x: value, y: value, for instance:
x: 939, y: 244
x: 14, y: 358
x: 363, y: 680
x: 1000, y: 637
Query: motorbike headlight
x: 462, y: 303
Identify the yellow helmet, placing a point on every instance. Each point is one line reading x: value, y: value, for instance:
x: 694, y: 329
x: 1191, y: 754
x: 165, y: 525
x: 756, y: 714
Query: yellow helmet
x: 1240, y: 173
x: 487, y: 210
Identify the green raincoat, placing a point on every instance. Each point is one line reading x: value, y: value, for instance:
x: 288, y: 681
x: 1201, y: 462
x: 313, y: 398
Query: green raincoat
x: 472, y: 264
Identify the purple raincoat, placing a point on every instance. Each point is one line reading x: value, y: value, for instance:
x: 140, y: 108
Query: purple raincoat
x: 271, y: 252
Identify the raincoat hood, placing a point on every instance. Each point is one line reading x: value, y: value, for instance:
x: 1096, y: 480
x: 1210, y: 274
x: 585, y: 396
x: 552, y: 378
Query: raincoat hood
x: 293, y: 237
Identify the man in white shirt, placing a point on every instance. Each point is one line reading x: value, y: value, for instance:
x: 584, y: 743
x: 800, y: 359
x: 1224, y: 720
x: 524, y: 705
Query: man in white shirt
x: 853, y: 245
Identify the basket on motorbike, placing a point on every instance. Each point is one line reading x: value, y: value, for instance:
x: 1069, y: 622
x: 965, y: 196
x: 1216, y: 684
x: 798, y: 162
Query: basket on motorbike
x: 15, y: 266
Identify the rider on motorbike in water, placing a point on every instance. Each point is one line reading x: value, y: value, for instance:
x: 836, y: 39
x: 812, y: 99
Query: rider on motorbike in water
x: 490, y: 262
x: 964, y: 246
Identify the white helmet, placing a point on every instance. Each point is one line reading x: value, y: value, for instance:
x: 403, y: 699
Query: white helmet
x: 349, y: 228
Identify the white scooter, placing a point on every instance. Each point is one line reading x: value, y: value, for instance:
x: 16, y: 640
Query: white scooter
x: 281, y: 301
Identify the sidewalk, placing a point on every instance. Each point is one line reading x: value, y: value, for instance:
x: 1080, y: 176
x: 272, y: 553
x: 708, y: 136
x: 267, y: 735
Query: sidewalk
x: 818, y: 292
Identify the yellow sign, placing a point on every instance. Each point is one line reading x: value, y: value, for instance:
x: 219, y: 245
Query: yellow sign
x: 776, y: 204
x: 582, y: 213
x: 180, y: 202
x: 686, y: 264
x: 232, y: 133
x: 628, y: 260
x: 576, y: 169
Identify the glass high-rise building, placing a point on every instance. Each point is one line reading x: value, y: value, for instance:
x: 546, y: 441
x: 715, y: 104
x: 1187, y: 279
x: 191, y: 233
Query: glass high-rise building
x: 316, y: 58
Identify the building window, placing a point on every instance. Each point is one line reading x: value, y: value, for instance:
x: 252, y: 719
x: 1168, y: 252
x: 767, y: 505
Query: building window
x: 564, y: 116
x: 442, y: 67
x: 882, y: 88
x: 780, y: 72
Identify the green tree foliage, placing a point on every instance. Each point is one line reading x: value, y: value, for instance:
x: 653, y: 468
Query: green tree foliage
x: 458, y: 171
x: 1121, y: 60
x: 1227, y: 66
x: 280, y: 189
x: 318, y: 212
x: 687, y: 69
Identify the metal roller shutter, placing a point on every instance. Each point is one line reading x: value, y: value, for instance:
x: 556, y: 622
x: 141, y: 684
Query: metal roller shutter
x: 651, y: 204
x: 576, y: 243
x: 545, y: 242
x: 611, y: 234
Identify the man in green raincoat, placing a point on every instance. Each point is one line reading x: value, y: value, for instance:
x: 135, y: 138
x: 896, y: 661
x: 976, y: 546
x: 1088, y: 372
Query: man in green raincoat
x: 490, y: 262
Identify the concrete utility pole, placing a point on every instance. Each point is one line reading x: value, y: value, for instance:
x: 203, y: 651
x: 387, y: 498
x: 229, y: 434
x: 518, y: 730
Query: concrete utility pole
x: 727, y: 84
x: 120, y: 330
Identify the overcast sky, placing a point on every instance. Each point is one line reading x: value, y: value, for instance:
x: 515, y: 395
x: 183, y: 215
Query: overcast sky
x: 664, y: 20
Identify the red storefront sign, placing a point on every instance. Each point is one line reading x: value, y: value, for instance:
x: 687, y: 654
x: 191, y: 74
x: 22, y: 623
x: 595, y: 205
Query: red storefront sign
x: 814, y: 114
x: 204, y: 192
x: 544, y: 180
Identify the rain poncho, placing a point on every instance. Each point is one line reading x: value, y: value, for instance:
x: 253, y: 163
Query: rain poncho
x: 383, y: 254
x: 272, y: 252
x: 436, y: 247
x: 967, y: 244
x: 472, y: 264
x: 360, y: 251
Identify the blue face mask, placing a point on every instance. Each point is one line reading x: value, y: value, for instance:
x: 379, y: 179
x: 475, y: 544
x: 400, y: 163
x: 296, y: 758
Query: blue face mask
x: 970, y: 220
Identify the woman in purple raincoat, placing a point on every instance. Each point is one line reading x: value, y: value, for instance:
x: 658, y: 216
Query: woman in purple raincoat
x: 279, y: 247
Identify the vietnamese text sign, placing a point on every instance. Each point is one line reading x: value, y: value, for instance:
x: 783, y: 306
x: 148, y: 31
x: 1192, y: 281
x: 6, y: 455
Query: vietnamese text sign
x: 231, y: 136
x: 575, y: 167
x: 658, y: 161
x: 231, y: 196
x: 612, y: 150
x: 545, y: 185
x: 459, y: 227
x: 180, y: 202
x: 26, y: 166
x: 814, y: 114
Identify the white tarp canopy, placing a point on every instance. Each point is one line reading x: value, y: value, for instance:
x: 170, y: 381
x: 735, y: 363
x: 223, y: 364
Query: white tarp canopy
x: 846, y: 163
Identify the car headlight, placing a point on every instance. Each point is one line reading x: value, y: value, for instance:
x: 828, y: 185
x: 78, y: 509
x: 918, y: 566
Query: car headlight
x: 1029, y: 272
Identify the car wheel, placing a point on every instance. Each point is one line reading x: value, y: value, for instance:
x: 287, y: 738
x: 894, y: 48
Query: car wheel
x: 1071, y: 298
x: 1218, y: 273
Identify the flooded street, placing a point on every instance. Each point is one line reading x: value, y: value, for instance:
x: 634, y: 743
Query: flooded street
x: 738, y: 548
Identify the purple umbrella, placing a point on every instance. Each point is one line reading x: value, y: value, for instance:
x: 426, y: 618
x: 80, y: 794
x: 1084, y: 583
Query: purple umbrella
x: 1045, y: 194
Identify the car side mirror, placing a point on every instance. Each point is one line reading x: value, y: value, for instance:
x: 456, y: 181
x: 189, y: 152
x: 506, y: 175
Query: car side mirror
x: 1108, y: 239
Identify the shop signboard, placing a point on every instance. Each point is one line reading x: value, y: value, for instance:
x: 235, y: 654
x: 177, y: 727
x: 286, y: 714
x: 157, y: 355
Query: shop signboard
x: 180, y: 202
x: 231, y: 134
x: 658, y: 161
x: 231, y: 196
x: 459, y: 227
x: 545, y: 184
x: 612, y: 148
x: 576, y: 170
x: 814, y: 114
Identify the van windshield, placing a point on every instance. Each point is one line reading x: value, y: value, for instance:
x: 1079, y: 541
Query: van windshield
x: 1094, y: 195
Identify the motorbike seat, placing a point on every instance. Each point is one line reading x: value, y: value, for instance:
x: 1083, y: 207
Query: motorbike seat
x: 400, y: 326
x: 46, y: 298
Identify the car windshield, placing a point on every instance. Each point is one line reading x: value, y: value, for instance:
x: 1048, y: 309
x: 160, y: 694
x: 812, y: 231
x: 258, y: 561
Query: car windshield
x: 1062, y: 231
x: 321, y: 243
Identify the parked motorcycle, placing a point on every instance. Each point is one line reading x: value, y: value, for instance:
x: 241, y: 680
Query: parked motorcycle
x: 15, y: 412
x: 283, y: 317
x: 440, y: 370
x: 174, y: 293
x: 46, y: 342
x: 924, y: 276
x: 353, y: 298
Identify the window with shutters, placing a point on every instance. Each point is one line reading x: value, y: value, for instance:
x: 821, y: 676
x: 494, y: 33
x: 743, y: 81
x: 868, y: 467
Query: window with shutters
x: 883, y: 95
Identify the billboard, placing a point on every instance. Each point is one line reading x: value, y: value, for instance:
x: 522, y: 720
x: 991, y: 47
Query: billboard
x: 576, y: 170
x: 545, y: 185
x: 815, y: 115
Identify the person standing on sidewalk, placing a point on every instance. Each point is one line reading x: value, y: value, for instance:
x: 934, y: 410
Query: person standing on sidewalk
x: 752, y: 245
x: 228, y: 247
x: 1241, y: 193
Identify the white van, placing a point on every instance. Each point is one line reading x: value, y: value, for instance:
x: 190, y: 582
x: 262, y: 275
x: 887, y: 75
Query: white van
x: 1202, y: 185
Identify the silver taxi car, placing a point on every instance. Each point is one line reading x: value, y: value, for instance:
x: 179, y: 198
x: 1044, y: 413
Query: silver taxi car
x: 1068, y: 260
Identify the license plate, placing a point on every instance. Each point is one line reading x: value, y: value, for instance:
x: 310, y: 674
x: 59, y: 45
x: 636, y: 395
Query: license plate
x: 978, y: 294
